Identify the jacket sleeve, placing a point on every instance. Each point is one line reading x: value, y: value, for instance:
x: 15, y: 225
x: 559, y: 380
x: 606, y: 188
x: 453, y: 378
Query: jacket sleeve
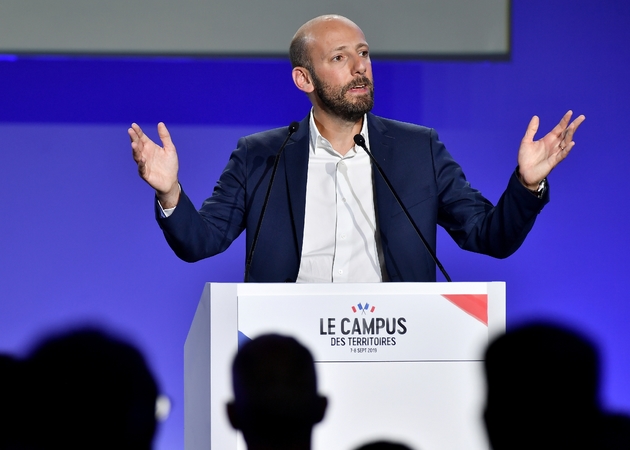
x: 196, y: 234
x: 471, y: 220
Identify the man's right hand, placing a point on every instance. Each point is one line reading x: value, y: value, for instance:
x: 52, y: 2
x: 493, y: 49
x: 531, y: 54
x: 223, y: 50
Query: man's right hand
x: 157, y: 165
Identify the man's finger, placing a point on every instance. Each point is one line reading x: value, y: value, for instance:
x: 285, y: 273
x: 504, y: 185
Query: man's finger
x: 165, y: 136
x: 561, y: 128
x: 567, y: 134
x: 577, y: 122
x: 532, y: 128
x: 137, y: 129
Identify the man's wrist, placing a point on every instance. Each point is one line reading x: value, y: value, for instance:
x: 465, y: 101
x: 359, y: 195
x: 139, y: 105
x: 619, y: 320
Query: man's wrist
x: 538, y: 189
x: 169, y: 199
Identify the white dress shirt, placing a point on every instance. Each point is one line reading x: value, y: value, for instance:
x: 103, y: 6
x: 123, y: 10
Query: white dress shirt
x: 340, y: 242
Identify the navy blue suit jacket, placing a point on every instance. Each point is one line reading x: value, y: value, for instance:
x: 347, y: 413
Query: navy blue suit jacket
x: 430, y: 183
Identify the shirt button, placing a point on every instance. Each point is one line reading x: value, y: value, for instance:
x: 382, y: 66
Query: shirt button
x: 343, y: 236
x: 340, y: 271
x: 343, y: 199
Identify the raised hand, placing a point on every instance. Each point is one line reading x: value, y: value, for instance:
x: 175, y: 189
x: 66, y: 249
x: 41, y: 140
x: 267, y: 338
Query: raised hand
x: 158, y: 166
x: 536, y: 159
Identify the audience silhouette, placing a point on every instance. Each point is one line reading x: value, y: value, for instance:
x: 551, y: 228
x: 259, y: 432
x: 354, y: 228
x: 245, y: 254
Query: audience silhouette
x: 85, y: 389
x: 276, y: 403
x: 542, y: 393
x: 383, y: 445
x: 89, y: 390
x: 10, y: 401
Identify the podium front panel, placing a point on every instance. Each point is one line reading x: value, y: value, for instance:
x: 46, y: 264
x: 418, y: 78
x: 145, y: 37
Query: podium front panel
x: 401, y: 361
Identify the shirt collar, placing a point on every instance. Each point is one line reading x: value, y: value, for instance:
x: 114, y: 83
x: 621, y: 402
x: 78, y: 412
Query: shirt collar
x: 319, y: 142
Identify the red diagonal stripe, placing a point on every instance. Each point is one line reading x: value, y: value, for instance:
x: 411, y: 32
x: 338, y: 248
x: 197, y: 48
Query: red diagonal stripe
x: 474, y: 304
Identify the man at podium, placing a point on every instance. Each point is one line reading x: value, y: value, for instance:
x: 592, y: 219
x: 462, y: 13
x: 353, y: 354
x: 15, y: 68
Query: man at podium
x: 330, y: 215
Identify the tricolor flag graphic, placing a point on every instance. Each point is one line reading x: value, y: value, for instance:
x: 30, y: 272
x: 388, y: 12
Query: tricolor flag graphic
x: 363, y: 308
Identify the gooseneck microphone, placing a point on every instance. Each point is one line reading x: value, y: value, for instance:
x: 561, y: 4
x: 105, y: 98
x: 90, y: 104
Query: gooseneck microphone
x: 360, y: 141
x: 292, y: 129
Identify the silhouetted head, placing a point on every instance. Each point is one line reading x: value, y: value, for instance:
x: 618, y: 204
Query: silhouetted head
x: 383, y: 445
x: 542, y: 389
x: 275, y: 392
x: 11, y: 400
x: 91, y: 391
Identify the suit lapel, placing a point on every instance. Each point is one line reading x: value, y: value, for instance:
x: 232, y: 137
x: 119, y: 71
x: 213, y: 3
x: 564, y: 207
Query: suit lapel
x: 296, y: 169
x: 382, y: 147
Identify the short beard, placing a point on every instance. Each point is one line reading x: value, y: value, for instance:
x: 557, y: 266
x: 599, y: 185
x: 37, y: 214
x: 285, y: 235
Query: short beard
x: 334, y: 99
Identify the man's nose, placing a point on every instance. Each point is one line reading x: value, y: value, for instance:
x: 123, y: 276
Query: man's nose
x: 359, y: 65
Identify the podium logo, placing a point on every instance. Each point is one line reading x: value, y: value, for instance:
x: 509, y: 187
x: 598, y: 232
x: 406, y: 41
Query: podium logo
x: 363, y: 308
x: 364, y: 329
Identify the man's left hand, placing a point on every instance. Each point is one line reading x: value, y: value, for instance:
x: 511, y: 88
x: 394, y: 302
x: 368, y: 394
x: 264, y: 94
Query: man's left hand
x: 536, y: 159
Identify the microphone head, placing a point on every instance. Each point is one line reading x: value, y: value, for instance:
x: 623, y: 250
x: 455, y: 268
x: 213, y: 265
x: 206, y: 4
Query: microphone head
x: 359, y: 140
x: 293, y: 127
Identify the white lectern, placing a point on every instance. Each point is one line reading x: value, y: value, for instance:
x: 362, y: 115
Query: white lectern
x: 400, y: 361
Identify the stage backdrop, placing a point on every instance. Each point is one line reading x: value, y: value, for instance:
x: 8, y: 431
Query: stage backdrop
x: 79, y: 242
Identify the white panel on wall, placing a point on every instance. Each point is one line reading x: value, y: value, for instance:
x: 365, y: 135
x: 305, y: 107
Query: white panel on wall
x: 404, y: 28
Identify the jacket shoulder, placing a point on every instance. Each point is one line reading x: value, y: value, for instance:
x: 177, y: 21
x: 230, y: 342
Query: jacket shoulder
x: 397, y: 127
x: 271, y: 140
x: 267, y: 138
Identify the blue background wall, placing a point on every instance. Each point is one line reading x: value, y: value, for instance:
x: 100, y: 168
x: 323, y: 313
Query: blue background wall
x: 78, y: 241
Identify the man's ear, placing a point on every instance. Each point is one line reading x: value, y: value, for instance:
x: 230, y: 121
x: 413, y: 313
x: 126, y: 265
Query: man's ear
x: 230, y: 407
x: 302, y: 79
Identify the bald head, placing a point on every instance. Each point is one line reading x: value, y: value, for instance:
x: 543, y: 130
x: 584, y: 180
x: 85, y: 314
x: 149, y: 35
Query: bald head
x: 299, y: 51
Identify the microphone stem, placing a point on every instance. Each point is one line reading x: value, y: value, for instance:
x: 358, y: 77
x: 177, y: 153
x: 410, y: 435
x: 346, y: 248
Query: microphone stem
x: 292, y: 129
x: 361, y: 143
